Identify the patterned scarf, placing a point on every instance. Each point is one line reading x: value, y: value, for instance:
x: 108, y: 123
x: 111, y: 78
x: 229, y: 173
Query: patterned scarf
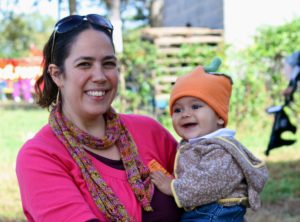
x: 137, y: 173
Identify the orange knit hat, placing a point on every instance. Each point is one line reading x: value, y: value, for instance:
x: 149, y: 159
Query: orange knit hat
x: 212, y: 88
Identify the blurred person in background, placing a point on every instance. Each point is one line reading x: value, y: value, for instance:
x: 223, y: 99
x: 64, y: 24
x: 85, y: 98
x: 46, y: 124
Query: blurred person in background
x: 292, y: 73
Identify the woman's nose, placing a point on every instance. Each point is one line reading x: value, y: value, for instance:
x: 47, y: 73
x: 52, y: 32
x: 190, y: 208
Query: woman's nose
x: 99, y: 74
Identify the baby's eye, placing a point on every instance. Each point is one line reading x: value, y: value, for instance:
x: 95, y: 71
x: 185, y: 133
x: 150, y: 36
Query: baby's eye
x: 177, y: 110
x: 196, y: 106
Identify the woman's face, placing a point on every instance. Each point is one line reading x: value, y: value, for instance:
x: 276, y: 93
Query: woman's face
x: 90, y: 81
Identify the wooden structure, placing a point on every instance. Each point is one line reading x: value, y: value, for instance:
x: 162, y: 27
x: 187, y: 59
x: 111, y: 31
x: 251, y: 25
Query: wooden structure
x: 168, y: 42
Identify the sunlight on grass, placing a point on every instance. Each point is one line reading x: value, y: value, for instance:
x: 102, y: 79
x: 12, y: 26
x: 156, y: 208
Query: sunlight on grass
x: 17, y: 125
x: 284, y: 181
x: 10, y: 203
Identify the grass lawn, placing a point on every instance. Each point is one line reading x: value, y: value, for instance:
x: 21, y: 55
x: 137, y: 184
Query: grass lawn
x: 280, y: 198
x: 17, y: 125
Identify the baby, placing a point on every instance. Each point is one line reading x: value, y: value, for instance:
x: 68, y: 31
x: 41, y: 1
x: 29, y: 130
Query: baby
x: 216, y: 177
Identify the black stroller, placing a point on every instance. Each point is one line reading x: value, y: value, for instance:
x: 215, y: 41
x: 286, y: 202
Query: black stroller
x: 281, y: 120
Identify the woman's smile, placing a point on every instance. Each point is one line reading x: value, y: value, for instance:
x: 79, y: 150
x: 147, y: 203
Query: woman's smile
x: 95, y: 93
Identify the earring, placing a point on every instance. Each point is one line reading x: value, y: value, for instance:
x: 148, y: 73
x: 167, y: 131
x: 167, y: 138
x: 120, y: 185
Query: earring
x: 48, y: 70
x: 57, y: 100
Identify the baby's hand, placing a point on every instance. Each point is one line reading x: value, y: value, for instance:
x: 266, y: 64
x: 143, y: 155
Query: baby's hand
x: 162, y: 182
x: 154, y: 166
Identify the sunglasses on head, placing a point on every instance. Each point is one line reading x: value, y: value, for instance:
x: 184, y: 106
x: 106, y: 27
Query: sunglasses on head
x: 72, y: 22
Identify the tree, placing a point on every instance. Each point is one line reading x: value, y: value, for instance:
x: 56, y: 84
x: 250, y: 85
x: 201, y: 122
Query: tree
x: 115, y: 17
x: 113, y: 7
x: 19, y: 32
x: 72, y: 6
x: 148, y: 11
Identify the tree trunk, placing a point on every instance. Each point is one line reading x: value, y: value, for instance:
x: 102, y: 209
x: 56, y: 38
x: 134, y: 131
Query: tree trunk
x: 115, y: 18
x: 72, y: 7
x: 156, y: 14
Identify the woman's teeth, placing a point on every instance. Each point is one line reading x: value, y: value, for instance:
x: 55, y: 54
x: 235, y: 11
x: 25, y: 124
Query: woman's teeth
x: 96, y: 93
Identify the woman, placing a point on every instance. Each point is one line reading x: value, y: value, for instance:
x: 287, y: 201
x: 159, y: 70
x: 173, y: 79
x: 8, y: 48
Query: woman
x: 89, y: 162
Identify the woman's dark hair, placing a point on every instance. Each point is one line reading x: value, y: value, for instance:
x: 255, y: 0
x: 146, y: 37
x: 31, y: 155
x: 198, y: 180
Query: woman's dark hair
x: 45, y: 88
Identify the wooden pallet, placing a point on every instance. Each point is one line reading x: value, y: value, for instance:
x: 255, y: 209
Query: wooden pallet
x: 168, y: 42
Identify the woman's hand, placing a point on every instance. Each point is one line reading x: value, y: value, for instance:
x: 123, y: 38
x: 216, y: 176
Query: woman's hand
x: 288, y: 91
x: 162, y: 182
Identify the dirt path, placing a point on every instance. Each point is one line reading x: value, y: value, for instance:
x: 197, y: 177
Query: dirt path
x: 286, y: 211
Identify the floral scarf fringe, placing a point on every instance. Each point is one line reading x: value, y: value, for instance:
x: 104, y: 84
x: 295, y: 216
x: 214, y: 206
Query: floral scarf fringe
x: 75, y: 139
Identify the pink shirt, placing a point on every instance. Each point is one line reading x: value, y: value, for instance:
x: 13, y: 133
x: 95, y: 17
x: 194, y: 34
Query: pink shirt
x: 53, y: 189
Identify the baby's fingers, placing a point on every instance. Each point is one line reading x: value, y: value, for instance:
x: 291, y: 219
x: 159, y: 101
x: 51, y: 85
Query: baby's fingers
x: 157, y: 176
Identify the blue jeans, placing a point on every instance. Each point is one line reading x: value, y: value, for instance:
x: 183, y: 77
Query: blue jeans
x: 215, y: 212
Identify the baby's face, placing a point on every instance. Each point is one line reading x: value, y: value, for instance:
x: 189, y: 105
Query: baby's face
x: 193, y: 118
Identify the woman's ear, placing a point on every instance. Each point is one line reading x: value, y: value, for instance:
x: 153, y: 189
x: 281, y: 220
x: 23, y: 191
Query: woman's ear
x: 55, y: 74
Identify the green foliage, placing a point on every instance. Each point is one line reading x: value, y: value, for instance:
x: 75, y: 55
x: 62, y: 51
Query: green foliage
x: 138, y: 62
x: 277, y: 42
x: 19, y: 32
x: 199, y: 54
x: 260, y: 81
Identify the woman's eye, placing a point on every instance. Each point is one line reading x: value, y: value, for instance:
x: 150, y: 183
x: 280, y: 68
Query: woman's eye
x: 84, y: 64
x: 110, y: 65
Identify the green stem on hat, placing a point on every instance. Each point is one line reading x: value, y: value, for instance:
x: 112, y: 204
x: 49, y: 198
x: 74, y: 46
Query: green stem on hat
x: 213, y: 66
